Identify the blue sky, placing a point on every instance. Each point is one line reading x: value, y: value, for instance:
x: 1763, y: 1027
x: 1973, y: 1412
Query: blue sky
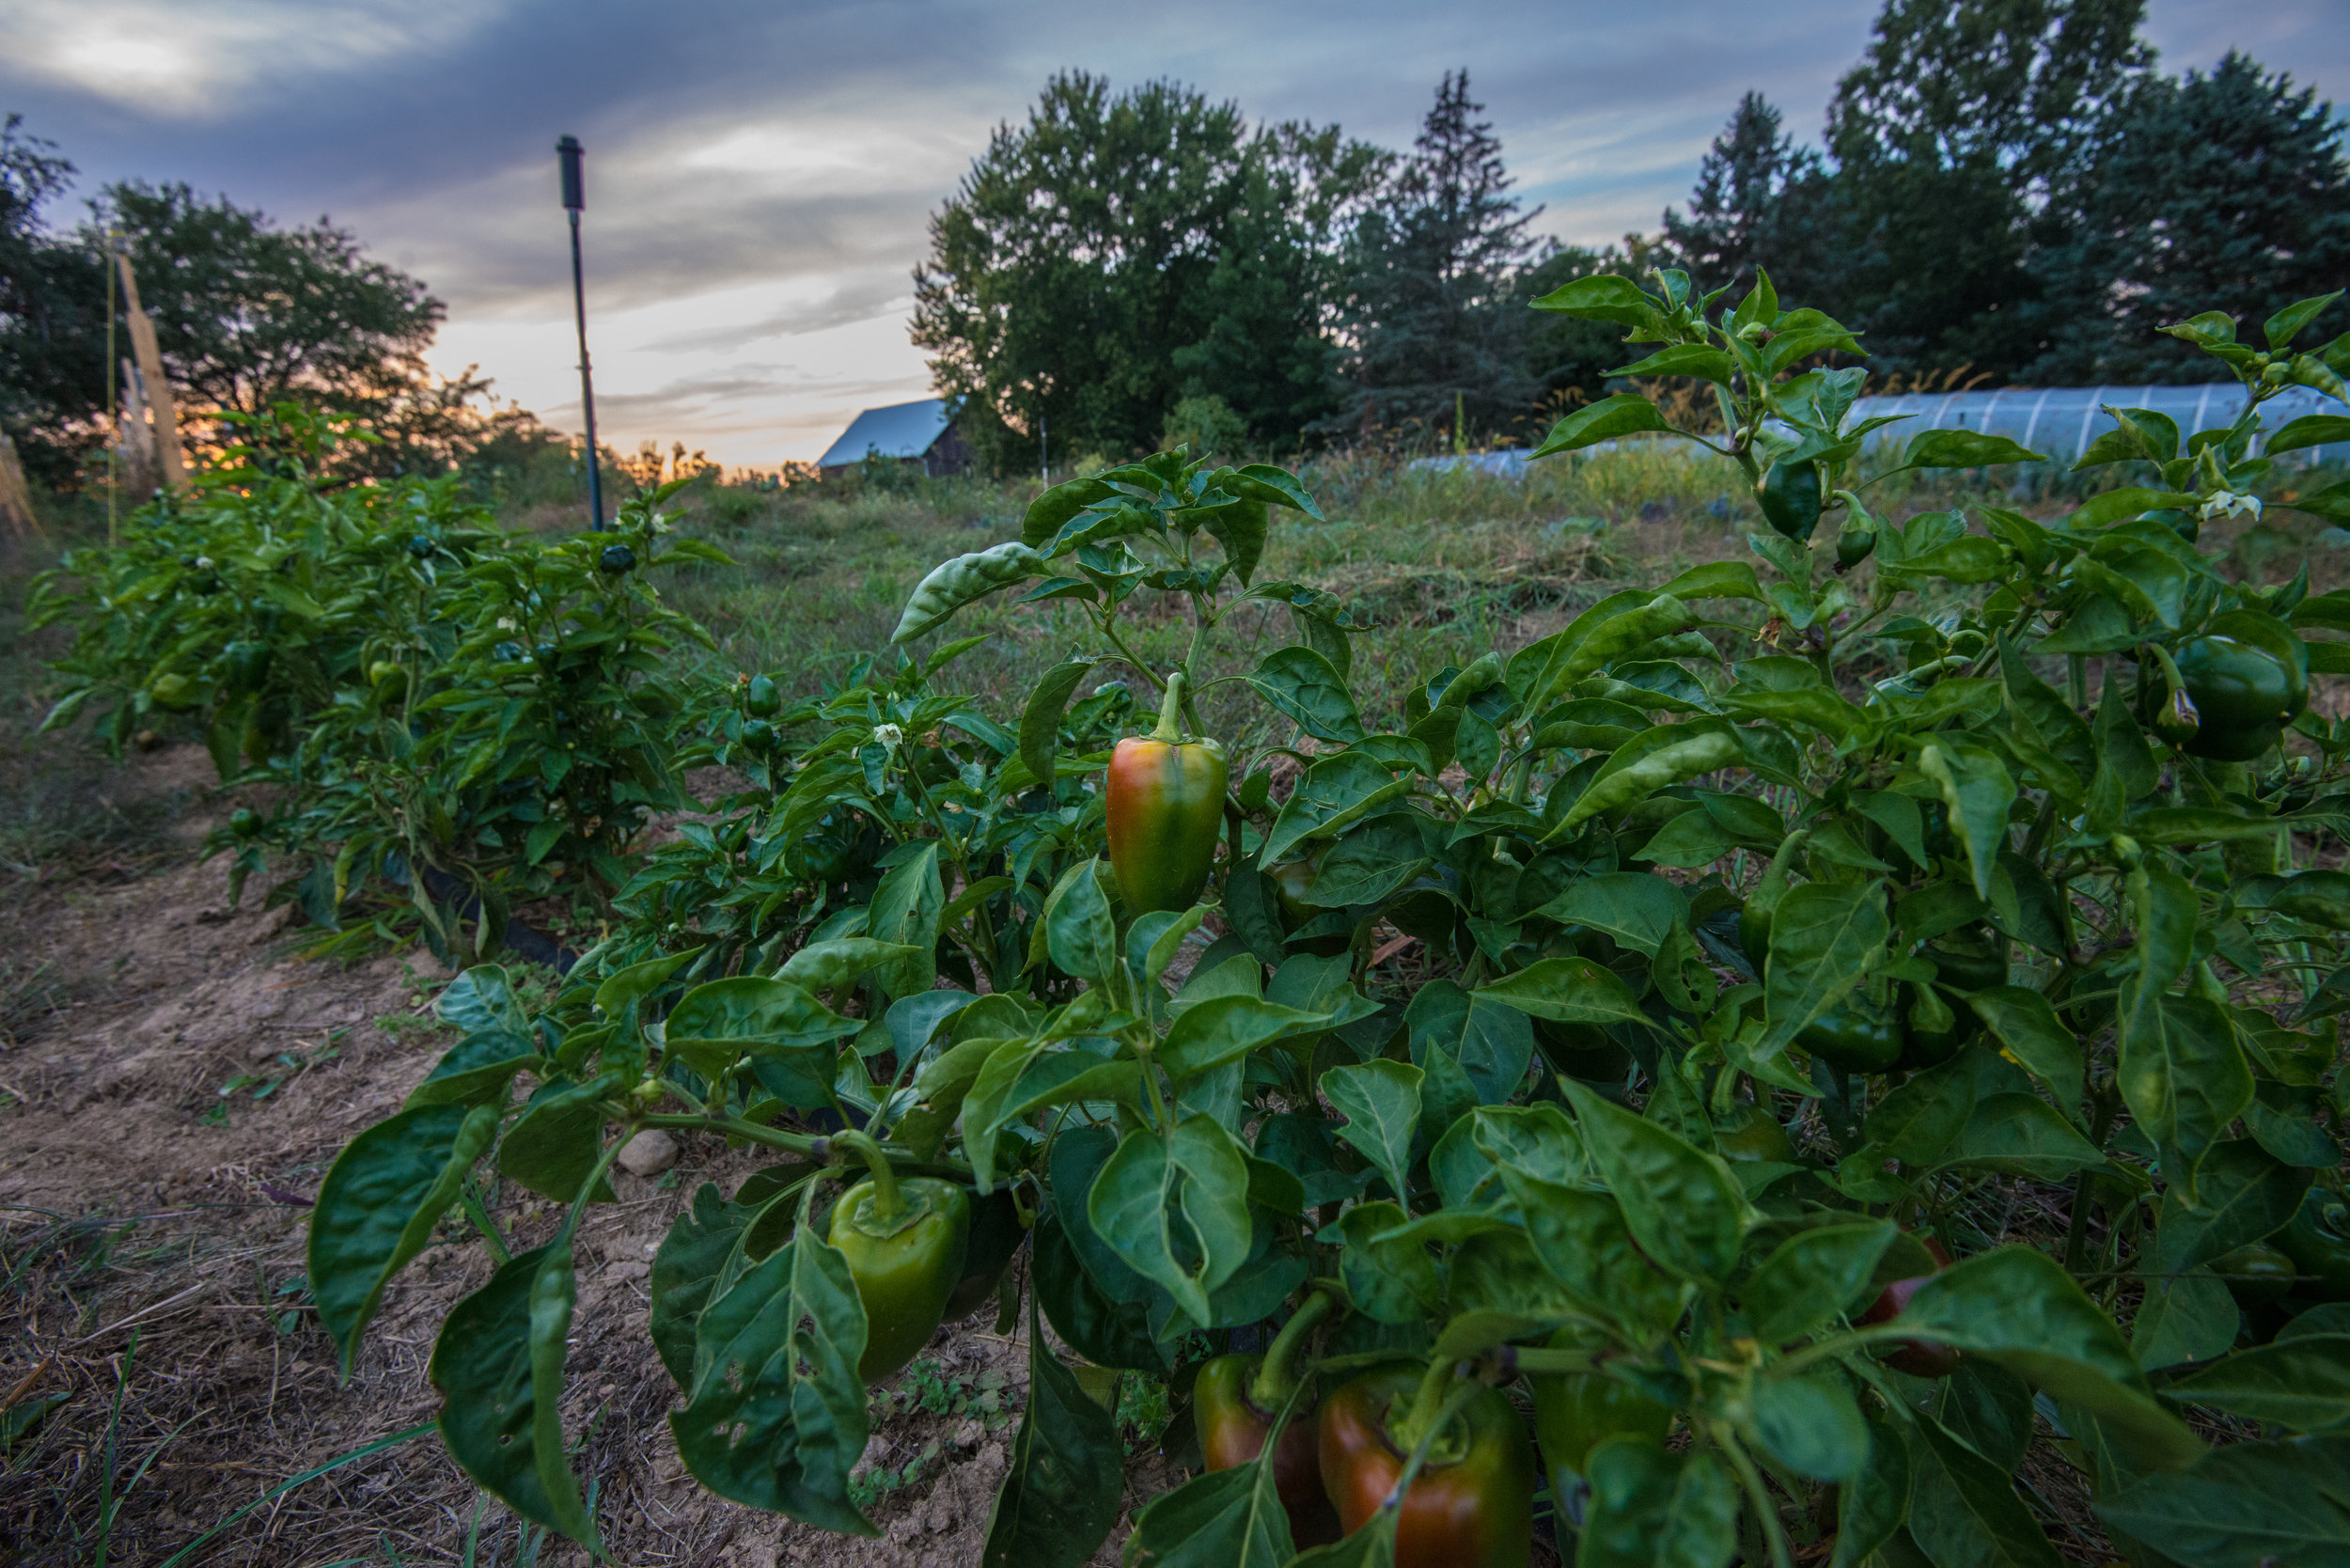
x: 760, y: 174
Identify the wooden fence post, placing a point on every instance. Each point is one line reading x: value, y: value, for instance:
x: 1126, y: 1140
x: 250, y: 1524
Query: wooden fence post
x: 157, y: 388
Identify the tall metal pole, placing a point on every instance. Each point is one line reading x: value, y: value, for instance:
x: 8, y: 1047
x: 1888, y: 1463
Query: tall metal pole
x: 574, y: 199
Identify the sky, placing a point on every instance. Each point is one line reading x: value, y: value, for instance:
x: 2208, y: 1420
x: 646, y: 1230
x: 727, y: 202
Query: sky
x: 760, y: 173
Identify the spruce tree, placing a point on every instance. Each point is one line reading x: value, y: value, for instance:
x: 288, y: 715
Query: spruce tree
x: 1434, y: 318
x: 2228, y: 191
x: 1760, y: 200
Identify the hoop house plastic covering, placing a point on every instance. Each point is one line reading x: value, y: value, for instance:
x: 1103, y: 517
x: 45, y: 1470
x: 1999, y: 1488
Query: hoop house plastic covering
x: 2061, y: 421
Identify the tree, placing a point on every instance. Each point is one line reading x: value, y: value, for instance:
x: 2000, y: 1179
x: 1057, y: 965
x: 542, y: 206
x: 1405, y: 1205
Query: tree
x: 1434, y: 318
x: 2227, y: 192
x: 1760, y: 200
x: 1950, y: 135
x: 248, y: 314
x: 1118, y: 254
x: 53, y: 303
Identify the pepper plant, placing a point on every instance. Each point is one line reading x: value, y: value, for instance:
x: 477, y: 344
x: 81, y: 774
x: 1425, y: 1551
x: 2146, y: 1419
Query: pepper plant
x: 1679, y: 1026
x: 450, y: 715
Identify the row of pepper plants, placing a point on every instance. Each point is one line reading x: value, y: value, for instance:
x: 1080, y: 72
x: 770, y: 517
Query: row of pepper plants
x: 1839, y: 1039
x: 451, y: 718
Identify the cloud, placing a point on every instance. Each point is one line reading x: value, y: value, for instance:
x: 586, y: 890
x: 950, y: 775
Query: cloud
x: 760, y: 173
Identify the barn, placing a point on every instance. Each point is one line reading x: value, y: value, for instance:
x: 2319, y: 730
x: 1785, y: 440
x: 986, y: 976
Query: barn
x: 921, y: 432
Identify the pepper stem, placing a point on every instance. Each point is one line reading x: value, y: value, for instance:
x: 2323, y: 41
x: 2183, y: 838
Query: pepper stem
x: 1427, y: 1404
x: 1171, y: 710
x: 887, y: 1205
x: 1277, y: 1378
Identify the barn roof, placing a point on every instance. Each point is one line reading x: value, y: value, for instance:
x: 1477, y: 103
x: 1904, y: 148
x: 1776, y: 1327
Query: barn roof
x: 899, y: 430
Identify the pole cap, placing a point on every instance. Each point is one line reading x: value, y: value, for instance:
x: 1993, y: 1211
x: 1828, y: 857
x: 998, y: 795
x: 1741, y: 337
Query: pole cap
x: 567, y: 152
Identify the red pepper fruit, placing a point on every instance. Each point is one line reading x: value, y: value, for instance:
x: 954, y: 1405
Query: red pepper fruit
x: 1472, y: 1505
x: 1234, y: 1403
x: 1232, y: 1431
x: 1165, y: 803
x: 1917, y: 1357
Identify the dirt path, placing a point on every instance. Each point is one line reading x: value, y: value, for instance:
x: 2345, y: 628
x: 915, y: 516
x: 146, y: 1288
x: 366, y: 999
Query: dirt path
x: 152, y: 1231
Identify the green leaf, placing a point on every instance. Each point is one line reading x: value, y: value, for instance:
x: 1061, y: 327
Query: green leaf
x: 2242, y: 1194
x: 1825, y: 939
x: 1049, y: 512
x: 1683, y: 1206
x: 2021, y: 1309
x: 962, y: 581
x: 776, y: 1416
x: 1224, y: 1029
x: 2286, y: 324
x: 1812, y: 1425
x: 494, y: 1415
x: 1921, y: 1117
x: 2248, y: 1505
x: 1667, y: 755
x: 1061, y: 1489
x: 1963, y: 1509
x: 1977, y: 790
x: 1301, y: 683
x: 2184, y: 1317
x: 1625, y: 413
x: 1872, y: 1509
x: 1369, y: 862
x: 2183, y: 1078
x: 476, y: 1071
x: 1684, y: 359
x: 907, y: 908
x: 2311, y: 429
x: 684, y: 1270
x: 1650, y: 1509
x: 1716, y: 580
x: 1567, y: 991
x: 2302, y: 1385
x: 1812, y: 1276
x: 1380, y: 1101
x: 1222, y: 1519
x: 1040, y: 719
x: 1581, y: 1240
x: 1194, y: 1177
x: 1964, y: 449
x: 2021, y: 1135
x: 1602, y: 297
x: 553, y: 1147
x: 379, y: 1203
x: 827, y: 967
x: 2028, y: 1026
x: 483, y: 998
x: 1635, y: 909
x: 1079, y: 932
x: 1334, y: 792
x: 1389, y: 1280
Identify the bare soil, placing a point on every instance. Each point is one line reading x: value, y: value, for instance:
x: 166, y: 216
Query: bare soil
x: 151, y: 1235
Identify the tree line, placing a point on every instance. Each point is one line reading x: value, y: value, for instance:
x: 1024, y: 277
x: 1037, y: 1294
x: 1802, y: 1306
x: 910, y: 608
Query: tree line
x: 2007, y: 190
x: 246, y: 312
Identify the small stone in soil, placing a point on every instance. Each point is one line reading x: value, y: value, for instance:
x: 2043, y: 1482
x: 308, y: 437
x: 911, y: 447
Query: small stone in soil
x: 649, y: 1153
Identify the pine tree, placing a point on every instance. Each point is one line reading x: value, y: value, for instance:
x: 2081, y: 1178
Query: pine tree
x: 1760, y: 200
x: 1435, y: 319
x: 1949, y: 136
x: 2227, y: 192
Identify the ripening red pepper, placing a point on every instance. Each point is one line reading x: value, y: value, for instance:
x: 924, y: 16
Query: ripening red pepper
x: 1917, y: 1357
x: 1165, y: 809
x: 1472, y: 1504
x: 1232, y: 1431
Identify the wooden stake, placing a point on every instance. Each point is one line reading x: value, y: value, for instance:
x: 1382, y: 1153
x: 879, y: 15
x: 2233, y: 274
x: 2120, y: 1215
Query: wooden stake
x: 16, y: 496
x: 157, y: 388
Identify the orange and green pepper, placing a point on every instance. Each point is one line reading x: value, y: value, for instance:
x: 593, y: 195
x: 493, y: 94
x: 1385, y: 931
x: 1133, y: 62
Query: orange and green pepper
x: 1472, y: 1504
x: 1165, y: 811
